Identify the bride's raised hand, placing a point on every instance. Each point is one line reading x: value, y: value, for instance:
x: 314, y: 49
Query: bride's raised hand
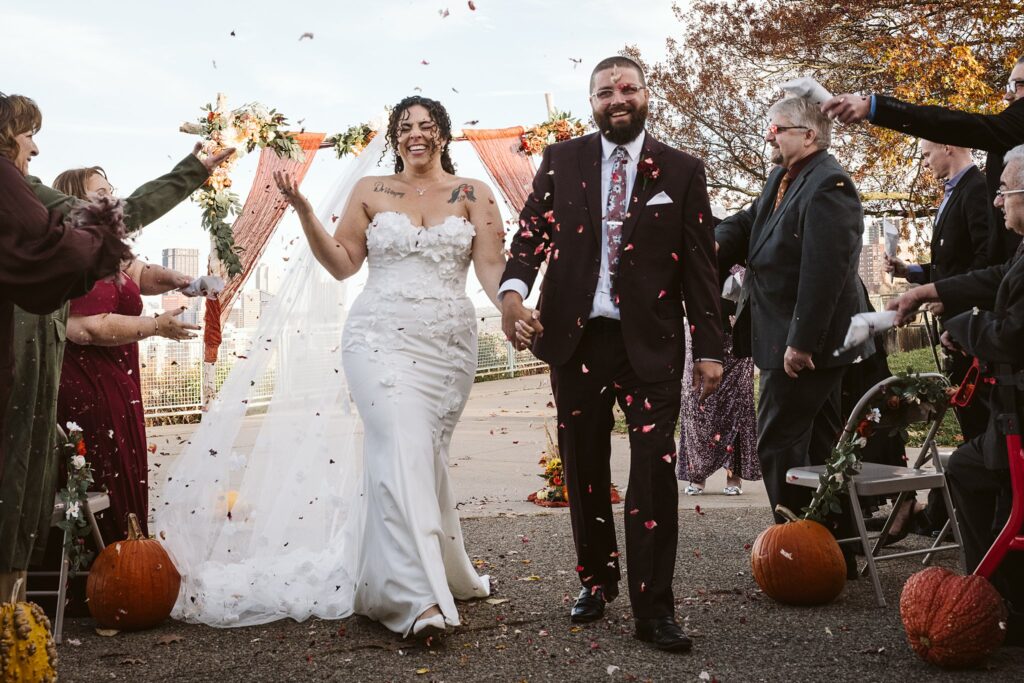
x: 289, y: 187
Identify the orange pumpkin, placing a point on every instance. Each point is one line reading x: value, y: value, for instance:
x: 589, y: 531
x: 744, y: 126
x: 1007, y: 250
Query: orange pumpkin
x: 951, y: 620
x: 132, y: 584
x: 798, y: 562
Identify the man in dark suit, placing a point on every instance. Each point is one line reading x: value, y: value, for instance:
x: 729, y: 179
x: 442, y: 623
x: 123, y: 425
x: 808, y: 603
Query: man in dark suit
x: 959, y: 244
x: 987, y: 321
x: 624, y: 224
x: 800, y: 240
x: 994, y: 133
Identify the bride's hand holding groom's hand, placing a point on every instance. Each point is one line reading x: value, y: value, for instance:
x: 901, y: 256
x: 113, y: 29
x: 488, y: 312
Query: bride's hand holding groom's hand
x: 518, y: 322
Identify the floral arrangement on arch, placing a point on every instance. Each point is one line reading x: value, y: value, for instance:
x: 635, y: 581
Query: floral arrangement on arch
x: 74, y: 495
x: 352, y: 141
x: 560, y: 126
x: 911, y: 398
x: 246, y: 128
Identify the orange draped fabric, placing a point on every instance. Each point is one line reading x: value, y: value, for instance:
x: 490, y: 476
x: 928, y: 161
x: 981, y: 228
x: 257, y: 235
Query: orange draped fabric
x: 509, y: 167
x: 252, y: 228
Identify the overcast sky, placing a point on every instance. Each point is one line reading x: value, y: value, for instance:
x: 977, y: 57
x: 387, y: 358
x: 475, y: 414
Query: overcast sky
x: 115, y: 79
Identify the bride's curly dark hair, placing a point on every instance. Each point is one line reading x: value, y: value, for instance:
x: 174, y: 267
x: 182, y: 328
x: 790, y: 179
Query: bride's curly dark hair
x: 438, y: 114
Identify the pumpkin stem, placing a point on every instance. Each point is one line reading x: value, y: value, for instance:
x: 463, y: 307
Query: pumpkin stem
x: 787, y: 513
x: 15, y: 590
x: 134, y: 529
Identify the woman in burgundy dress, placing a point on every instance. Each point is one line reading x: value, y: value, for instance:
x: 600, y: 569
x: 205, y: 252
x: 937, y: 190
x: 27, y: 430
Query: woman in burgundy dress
x: 100, y: 388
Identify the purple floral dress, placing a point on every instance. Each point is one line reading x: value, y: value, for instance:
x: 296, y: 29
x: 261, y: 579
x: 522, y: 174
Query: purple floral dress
x: 723, y: 431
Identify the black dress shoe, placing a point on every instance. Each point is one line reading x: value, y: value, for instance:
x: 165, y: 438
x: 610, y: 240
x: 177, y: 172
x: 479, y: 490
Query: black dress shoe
x: 589, y: 606
x: 664, y: 633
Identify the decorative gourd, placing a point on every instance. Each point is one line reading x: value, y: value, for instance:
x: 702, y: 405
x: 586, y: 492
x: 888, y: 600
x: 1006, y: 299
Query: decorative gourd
x: 798, y: 562
x: 27, y: 652
x: 951, y: 620
x: 132, y: 584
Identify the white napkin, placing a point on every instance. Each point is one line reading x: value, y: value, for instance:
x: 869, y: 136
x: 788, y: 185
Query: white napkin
x: 892, y: 238
x: 205, y: 285
x: 863, y: 326
x: 732, y: 287
x: 807, y: 87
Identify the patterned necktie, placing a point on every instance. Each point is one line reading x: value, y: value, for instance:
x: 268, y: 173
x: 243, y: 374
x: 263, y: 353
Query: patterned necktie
x: 615, y: 213
x: 783, y: 186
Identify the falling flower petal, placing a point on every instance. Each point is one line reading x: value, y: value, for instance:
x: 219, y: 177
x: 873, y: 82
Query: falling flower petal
x: 650, y: 524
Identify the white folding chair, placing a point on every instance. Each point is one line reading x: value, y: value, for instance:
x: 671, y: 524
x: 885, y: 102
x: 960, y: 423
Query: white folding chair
x: 96, y: 501
x: 884, y: 480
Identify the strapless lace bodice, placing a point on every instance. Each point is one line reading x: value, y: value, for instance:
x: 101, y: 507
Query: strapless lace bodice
x: 415, y: 262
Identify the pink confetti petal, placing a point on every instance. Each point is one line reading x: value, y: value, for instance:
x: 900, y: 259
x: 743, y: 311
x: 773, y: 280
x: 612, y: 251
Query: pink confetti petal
x: 584, y: 368
x: 650, y: 524
x: 646, y: 428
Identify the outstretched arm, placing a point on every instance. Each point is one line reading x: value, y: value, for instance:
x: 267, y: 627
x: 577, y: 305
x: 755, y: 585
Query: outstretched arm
x: 343, y: 253
x: 151, y: 200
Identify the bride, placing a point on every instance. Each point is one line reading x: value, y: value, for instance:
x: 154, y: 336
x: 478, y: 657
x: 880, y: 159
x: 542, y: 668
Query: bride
x: 301, y: 536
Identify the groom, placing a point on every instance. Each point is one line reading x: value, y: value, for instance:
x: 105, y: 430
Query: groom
x: 624, y: 224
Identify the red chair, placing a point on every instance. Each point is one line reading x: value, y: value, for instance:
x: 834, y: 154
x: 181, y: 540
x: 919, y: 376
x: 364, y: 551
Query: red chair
x: 1011, y: 538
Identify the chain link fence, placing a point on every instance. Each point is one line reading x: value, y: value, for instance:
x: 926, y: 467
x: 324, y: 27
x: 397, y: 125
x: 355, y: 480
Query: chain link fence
x: 172, y: 371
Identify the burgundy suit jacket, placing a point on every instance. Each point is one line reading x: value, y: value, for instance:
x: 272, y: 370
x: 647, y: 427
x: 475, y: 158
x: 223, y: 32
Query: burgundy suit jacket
x: 668, y: 256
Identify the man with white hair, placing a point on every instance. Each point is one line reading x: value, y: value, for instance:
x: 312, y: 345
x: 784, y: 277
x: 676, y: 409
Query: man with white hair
x: 985, y: 310
x: 800, y: 241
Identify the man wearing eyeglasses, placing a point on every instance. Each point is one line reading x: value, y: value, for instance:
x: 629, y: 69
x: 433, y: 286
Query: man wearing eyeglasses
x: 624, y: 224
x: 985, y: 310
x: 994, y: 133
x: 800, y: 241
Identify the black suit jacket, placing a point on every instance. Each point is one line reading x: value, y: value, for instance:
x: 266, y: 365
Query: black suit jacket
x: 668, y: 256
x: 960, y: 235
x: 987, y: 321
x: 801, y: 286
x: 994, y: 133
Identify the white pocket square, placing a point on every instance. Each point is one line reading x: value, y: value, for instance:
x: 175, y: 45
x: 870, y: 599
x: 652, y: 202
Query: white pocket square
x: 660, y: 198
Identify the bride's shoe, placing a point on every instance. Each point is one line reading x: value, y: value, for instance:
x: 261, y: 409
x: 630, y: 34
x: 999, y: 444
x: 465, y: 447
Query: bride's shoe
x: 428, y: 627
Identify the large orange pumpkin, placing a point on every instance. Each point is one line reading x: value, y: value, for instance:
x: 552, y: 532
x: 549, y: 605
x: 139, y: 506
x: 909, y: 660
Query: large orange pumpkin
x: 952, y: 620
x: 798, y: 562
x: 132, y: 584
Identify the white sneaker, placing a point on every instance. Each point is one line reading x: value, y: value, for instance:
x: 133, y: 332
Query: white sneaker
x: 428, y: 627
x: 692, y: 490
x: 732, y: 491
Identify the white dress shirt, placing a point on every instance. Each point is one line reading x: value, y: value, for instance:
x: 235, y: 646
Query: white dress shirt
x: 603, y: 306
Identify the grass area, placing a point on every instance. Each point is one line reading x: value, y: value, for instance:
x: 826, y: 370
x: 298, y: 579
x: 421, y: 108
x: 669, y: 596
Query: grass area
x: 918, y: 360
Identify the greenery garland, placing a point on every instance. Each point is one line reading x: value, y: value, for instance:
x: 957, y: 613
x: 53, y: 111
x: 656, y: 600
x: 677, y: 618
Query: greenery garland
x: 910, y: 398
x: 245, y: 129
x: 74, y: 495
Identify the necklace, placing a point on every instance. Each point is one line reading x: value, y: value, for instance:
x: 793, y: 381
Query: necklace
x: 420, y: 191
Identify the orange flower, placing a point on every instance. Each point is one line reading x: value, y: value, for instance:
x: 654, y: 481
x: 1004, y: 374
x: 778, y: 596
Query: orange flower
x: 80, y: 448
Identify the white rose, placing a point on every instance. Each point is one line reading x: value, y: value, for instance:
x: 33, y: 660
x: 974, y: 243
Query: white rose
x: 73, y: 427
x: 78, y: 461
x: 72, y: 511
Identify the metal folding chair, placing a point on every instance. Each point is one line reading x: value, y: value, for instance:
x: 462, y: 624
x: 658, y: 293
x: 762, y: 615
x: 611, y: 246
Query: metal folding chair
x: 96, y: 501
x: 884, y: 480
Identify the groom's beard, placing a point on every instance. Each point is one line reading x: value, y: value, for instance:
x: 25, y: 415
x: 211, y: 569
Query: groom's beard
x: 624, y: 130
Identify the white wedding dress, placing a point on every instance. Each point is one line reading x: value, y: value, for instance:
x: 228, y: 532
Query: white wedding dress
x: 409, y: 352
x: 284, y: 514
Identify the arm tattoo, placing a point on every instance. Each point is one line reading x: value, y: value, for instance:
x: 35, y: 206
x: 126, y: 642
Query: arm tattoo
x: 381, y: 187
x: 463, y: 192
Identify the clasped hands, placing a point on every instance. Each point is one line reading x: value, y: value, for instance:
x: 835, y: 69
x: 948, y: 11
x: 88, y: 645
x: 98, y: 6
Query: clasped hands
x: 518, y: 322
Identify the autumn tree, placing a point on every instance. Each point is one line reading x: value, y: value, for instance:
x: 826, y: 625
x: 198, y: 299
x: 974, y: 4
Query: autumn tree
x: 711, y: 94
